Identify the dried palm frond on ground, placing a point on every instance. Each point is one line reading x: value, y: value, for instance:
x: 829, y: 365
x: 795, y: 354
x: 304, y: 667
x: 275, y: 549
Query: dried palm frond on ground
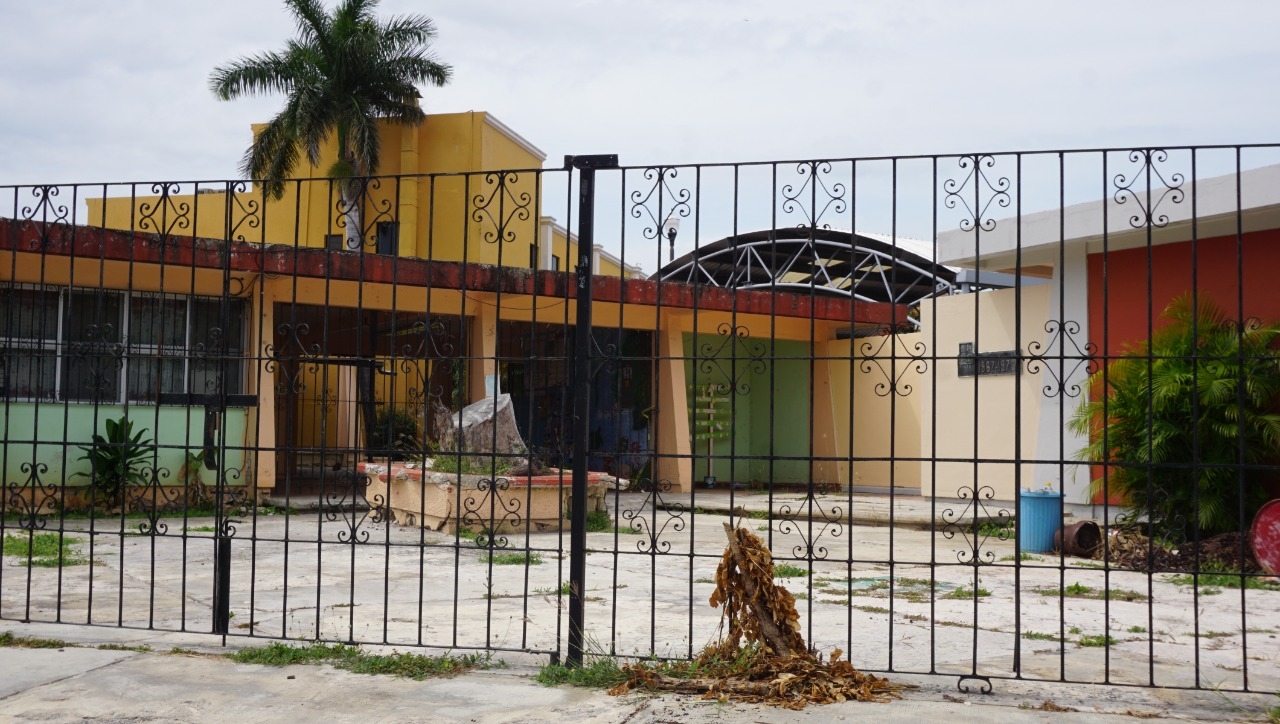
x: 1131, y: 549
x: 763, y: 657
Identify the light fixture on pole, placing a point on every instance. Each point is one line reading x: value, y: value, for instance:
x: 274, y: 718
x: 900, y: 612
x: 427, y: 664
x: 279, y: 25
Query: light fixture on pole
x: 670, y: 228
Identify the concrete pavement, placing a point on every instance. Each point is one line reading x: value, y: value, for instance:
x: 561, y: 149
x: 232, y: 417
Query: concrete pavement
x: 81, y: 682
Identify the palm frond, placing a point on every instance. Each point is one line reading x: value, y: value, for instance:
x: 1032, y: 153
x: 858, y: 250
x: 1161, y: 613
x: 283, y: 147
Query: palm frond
x: 256, y: 75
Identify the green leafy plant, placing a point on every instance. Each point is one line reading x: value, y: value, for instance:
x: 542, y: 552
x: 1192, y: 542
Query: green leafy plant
x: 1185, y: 420
x: 395, y: 431
x: 116, y: 460
x: 198, y: 494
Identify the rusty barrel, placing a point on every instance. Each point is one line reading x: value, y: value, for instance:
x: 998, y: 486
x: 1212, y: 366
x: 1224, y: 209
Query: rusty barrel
x: 1081, y: 539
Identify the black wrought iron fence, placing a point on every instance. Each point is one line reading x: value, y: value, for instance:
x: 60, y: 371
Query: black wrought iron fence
x: 996, y: 415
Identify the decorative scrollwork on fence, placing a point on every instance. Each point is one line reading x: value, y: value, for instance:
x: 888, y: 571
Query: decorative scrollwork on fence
x: 820, y: 198
x: 872, y: 358
x: 246, y: 210
x: 791, y: 518
x: 164, y: 216
x: 27, y: 501
x: 235, y: 502
x: 43, y: 213
x: 659, y: 201
x: 491, y: 512
x: 975, y: 532
x: 153, y: 498
x: 1156, y: 189
x: 349, y: 502
x: 979, y: 188
x: 355, y: 198
x: 433, y: 344
x: 722, y: 358
x: 984, y: 684
x: 1062, y: 336
x: 500, y: 208
x: 662, y: 516
x: 604, y: 357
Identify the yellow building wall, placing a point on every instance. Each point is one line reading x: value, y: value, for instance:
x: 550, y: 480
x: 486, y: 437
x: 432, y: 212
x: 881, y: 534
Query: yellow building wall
x: 872, y: 418
x: 1006, y: 407
x: 453, y: 208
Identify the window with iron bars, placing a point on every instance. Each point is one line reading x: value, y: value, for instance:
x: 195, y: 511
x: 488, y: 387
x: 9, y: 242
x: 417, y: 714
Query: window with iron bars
x: 108, y: 347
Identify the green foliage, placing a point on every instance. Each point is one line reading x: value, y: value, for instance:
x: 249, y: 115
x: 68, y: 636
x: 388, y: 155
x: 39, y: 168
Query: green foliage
x: 1215, y: 576
x: 601, y: 672
x: 44, y: 550
x: 786, y: 570
x: 345, y: 70
x: 1001, y: 529
x: 116, y: 460
x: 1096, y: 640
x: 140, y: 648
x: 1037, y: 636
x: 598, y: 521
x: 395, y: 431
x: 8, y: 639
x: 512, y: 558
x: 564, y: 590
x: 468, y: 465
x: 1078, y: 589
x: 1202, y: 383
x: 964, y: 592
x: 351, y: 658
x: 198, y: 494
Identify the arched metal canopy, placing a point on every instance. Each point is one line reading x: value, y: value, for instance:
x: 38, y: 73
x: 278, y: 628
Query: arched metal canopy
x: 868, y: 267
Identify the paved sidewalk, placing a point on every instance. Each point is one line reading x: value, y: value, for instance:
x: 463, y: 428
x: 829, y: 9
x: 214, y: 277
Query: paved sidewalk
x: 82, y: 682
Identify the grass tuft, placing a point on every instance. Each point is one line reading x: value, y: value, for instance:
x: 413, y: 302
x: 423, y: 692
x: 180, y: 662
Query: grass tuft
x: 512, y: 558
x: 964, y: 592
x: 44, y: 550
x: 351, y: 658
x: 1037, y: 636
x: 141, y: 648
x: 601, y: 672
x: 1096, y: 640
x: 786, y: 570
x: 7, y: 639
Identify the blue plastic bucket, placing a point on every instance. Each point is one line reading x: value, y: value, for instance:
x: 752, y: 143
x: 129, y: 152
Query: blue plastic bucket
x: 1039, y: 517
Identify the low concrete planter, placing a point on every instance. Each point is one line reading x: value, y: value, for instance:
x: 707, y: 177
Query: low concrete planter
x: 437, y: 500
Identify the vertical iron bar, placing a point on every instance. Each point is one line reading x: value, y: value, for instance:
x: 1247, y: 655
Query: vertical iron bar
x: 586, y: 166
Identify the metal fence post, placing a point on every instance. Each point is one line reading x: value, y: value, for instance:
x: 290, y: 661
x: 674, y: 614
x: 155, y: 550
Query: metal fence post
x: 586, y: 166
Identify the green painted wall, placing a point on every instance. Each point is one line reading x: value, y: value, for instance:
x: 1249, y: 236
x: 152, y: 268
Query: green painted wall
x: 179, y: 429
x: 757, y: 435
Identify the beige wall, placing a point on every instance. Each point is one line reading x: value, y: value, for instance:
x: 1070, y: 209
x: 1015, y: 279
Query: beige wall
x: 1007, y: 407
x: 885, y: 387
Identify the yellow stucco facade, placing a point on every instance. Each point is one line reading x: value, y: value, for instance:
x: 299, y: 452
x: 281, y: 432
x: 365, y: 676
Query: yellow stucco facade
x: 455, y: 186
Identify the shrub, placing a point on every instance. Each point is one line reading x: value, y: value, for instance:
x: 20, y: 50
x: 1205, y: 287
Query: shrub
x: 115, y: 461
x: 395, y: 430
x: 1202, y: 383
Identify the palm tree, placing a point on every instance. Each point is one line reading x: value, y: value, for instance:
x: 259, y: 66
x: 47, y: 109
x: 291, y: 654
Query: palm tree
x: 345, y: 71
x: 1187, y: 422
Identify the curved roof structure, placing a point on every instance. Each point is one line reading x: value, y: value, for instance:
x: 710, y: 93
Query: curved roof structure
x: 868, y: 267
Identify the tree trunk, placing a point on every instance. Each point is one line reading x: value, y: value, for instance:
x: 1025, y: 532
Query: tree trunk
x: 353, y: 233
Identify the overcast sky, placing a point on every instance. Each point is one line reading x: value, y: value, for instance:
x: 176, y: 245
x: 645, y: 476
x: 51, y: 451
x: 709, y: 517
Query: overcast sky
x: 117, y: 91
